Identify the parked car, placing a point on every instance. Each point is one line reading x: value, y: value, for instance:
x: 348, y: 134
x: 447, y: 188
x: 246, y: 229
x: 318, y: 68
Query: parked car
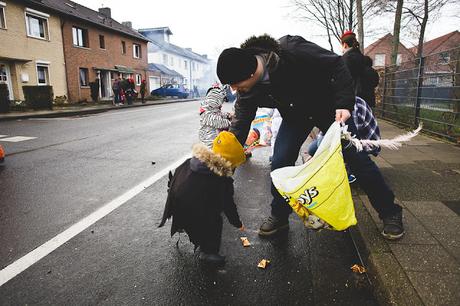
x: 171, y: 90
x: 2, y: 154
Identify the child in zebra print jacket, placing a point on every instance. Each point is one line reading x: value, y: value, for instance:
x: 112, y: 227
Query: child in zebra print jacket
x: 212, y: 119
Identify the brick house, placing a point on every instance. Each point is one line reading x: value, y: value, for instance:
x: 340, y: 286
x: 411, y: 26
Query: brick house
x: 380, y: 52
x: 97, y: 49
x: 31, y: 48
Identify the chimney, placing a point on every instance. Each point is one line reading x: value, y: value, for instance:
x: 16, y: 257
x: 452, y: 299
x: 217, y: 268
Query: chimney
x: 128, y: 24
x: 106, y: 12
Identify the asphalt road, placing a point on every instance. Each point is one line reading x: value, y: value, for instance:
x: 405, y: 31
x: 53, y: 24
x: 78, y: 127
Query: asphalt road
x: 77, y: 165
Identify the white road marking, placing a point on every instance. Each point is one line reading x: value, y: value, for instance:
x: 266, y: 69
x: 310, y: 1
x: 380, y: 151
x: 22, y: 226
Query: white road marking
x: 40, y: 252
x: 3, y: 136
x: 17, y: 138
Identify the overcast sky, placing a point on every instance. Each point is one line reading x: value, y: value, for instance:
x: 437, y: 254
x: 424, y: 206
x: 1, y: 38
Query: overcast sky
x: 209, y: 26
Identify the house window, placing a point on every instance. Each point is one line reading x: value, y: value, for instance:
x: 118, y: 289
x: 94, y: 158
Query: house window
x: 123, y: 47
x: 398, y: 59
x: 171, y: 61
x: 165, y: 59
x: 42, y: 75
x: 101, y: 42
x: 37, y: 24
x: 138, y: 79
x: 84, y: 78
x: 379, y: 60
x: 2, y: 16
x: 80, y: 37
x: 444, y: 58
x: 136, y: 51
x: 185, y: 65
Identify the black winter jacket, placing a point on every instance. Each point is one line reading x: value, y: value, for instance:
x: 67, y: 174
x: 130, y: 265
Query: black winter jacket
x: 363, y: 83
x: 200, y: 190
x: 306, y: 82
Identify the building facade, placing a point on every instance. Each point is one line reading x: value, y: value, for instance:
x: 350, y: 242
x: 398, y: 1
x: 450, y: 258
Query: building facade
x: 380, y: 52
x: 31, y: 48
x: 195, y: 68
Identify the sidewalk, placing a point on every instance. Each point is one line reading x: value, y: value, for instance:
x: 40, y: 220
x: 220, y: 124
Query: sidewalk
x: 82, y: 109
x: 423, y: 268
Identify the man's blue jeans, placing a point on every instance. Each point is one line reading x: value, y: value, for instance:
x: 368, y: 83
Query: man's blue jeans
x: 291, y: 136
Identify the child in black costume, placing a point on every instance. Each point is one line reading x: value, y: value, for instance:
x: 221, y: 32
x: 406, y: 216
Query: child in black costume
x: 200, y: 189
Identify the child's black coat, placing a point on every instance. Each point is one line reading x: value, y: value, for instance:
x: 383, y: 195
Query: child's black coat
x: 199, y: 191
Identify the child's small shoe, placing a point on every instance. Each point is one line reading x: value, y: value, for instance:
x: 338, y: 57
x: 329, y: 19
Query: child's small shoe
x: 213, y: 259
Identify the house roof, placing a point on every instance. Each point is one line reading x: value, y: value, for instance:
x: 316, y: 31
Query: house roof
x: 164, y: 70
x: 75, y: 10
x: 166, y: 29
x: 166, y: 46
x: 430, y: 46
x: 388, y: 36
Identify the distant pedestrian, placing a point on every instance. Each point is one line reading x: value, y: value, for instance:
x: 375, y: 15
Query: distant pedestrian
x: 116, y: 91
x: 200, y: 190
x: 143, y: 90
x: 365, y: 78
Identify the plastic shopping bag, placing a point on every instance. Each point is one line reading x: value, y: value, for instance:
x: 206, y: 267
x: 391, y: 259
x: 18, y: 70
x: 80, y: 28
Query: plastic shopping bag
x: 319, y: 188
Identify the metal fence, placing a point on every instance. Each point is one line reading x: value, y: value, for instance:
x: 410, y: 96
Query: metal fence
x: 425, y: 90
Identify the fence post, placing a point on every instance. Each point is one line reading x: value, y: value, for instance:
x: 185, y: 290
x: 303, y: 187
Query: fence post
x: 419, y: 91
x: 384, y: 90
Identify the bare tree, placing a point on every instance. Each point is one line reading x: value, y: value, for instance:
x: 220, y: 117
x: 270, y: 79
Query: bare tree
x: 360, y: 17
x: 334, y: 16
x: 396, y: 30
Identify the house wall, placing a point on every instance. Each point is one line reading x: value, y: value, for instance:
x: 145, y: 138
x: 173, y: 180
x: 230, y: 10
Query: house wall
x: 384, y: 47
x: 93, y: 56
x: 22, y: 53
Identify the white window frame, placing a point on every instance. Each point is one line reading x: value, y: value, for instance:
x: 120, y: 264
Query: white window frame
x: 185, y: 64
x: 3, y: 15
x: 123, y: 47
x: 377, y: 62
x: 398, y: 59
x: 39, y: 15
x: 171, y: 61
x: 47, y: 76
x: 75, y: 30
x: 165, y: 58
x: 87, y: 77
x: 138, y: 79
x: 137, y: 54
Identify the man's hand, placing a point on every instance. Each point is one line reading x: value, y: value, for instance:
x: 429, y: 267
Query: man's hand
x: 341, y: 115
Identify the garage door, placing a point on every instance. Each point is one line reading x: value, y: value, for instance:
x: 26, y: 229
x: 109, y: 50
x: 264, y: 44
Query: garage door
x: 154, y: 83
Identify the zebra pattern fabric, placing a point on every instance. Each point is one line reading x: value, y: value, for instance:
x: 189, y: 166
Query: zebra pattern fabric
x: 212, y: 119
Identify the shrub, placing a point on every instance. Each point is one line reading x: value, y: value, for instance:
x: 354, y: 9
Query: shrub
x: 39, y: 97
x: 4, y: 98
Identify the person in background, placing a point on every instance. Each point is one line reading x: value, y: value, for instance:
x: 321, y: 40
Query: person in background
x: 212, y: 118
x: 116, y: 87
x: 142, y: 90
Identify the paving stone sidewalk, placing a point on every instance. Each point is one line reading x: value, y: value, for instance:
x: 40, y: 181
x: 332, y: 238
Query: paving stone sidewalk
x: 423, y: 268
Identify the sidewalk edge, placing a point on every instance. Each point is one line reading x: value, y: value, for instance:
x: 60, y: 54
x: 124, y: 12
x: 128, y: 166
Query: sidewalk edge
x: 390, y: 282
x: 93, y: 110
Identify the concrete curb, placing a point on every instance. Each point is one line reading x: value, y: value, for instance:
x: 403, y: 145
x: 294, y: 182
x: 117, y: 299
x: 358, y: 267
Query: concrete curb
x: 83, y: 110
x: 390, y: 282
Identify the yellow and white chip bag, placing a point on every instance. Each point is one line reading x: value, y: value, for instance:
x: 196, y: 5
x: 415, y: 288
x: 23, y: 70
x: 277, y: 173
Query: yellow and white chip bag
x: 320, y: 186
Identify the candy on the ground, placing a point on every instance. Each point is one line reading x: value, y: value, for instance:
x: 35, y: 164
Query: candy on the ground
x: 263, y: 263
x: 358, y: 269
x: 245, y: 241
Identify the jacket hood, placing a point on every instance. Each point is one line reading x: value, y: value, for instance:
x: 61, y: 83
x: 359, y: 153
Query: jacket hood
x: 214, y: 100
x: 214, y: 162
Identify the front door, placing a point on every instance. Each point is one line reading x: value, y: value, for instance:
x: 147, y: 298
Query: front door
x: 5, y: 77
x: 106, y: 86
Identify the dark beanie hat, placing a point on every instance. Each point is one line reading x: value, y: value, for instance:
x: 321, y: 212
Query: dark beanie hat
x: 235, y: 65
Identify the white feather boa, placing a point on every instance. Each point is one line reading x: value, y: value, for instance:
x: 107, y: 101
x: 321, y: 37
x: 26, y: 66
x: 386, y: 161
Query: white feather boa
x: 392, y: 144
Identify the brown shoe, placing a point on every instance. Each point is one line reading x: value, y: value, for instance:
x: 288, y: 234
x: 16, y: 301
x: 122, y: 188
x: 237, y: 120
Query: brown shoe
x: 273, y: 225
